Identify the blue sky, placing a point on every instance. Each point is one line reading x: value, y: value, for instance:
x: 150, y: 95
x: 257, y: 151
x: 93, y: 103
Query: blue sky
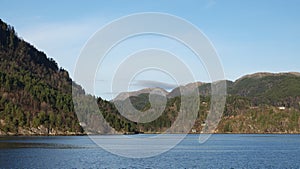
x: 249, y: 36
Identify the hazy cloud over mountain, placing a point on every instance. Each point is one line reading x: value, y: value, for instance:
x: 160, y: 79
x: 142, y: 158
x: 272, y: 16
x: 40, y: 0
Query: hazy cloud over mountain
x: 154, y: 84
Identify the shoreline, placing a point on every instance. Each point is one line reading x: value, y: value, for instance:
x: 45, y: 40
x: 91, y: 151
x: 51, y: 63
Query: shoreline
x: 84, y: 134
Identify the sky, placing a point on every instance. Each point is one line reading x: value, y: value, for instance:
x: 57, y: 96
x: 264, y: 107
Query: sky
x: 249, y: 36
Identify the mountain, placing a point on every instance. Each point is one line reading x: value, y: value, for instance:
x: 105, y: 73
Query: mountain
x: 189, y: 87
x: 36, y: 98
x: 125, y: 95
x: 277, y: 89
x: 256, y: 103
x: 35, y: 95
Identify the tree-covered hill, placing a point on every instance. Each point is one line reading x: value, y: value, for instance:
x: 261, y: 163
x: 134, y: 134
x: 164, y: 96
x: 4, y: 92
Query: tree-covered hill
x: 35, y: 95
x: 281, y: 89
x: 276, y: 89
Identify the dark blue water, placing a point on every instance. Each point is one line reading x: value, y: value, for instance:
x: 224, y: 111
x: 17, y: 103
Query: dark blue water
x: 220, y: 151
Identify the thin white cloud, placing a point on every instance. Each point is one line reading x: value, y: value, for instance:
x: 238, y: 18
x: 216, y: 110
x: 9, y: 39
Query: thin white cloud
x: 210, y: 3
x: 154, y: 84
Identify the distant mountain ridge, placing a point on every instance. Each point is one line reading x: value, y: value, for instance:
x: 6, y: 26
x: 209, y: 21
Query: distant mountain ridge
x: 256, y: 103
x: 125, y: 95
x: 262, y: 87
x: 175, y: 92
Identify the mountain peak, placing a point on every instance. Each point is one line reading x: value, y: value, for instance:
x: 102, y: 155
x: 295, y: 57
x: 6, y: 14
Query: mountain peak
x: 124, y: 95
x: 259, y: 75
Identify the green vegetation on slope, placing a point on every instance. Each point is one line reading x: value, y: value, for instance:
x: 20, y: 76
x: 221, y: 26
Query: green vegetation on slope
x: 272, y: 89
x: 255, y: 104
x: 34, y: 92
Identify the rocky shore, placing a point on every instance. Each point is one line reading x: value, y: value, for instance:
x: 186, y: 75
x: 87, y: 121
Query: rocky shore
x: 39, y: 131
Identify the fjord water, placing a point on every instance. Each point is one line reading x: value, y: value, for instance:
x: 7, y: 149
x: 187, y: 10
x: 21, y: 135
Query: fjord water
x: 220, y: 151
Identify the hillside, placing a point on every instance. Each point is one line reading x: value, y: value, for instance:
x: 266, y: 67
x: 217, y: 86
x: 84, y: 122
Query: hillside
x: 281, y: 89
x: 257, y: 103
x: 276, y: 89
x: 35, y: 95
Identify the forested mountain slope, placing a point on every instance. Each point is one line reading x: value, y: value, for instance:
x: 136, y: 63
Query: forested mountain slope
x: 35, y: 95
